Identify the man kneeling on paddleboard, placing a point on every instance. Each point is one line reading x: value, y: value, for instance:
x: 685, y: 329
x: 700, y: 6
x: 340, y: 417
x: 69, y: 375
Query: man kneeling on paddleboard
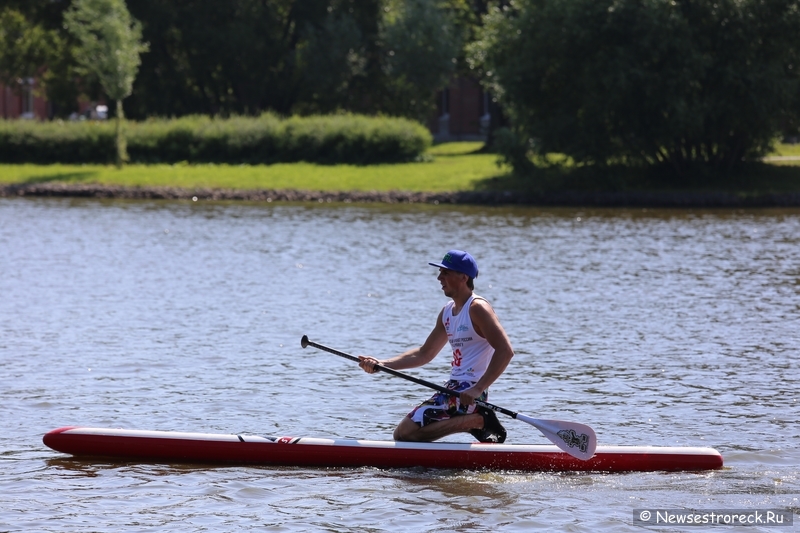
x: 481, y: 352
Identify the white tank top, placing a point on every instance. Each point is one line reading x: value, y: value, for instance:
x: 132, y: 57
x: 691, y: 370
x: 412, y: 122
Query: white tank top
x: 471, y: 352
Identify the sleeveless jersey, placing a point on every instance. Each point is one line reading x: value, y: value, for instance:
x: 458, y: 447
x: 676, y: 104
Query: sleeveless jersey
x: 471, y: 352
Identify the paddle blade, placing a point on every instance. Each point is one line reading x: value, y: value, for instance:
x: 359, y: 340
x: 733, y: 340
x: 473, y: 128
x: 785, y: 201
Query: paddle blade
x: 578, y: 440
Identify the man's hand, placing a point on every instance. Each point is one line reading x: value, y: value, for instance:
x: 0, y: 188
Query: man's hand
x: 368, y: 363
x: 467, y: 397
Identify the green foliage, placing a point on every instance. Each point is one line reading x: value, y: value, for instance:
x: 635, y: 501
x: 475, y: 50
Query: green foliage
x: 295, y: 56
x: 57, y: 71
x: 109, y: 49
x: 330, y: 58
x: 421, y: 43
x: 245, y: 57
x: 24, y: 47
x: 514, y: 150
x: 248, y: 56
x: 110, y: 43
x: 680, y: 83
x: 265, y: 139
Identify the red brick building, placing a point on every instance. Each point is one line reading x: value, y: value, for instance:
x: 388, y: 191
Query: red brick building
x: 462, y: 112
x: 23, y: 102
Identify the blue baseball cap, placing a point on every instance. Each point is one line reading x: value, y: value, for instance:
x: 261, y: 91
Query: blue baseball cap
x: 459, y: 261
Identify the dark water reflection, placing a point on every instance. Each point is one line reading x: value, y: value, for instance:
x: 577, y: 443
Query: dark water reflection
x: 662, y: 327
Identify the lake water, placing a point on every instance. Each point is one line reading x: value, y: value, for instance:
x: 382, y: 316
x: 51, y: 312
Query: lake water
x: 655, y: 327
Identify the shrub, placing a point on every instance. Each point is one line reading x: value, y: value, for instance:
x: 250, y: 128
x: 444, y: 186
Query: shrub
x: 265, y: 139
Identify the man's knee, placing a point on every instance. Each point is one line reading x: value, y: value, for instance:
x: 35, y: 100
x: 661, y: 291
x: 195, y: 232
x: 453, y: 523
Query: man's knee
x: 406, y: 430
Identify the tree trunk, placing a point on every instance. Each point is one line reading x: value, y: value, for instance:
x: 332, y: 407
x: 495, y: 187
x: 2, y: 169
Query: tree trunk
x: 122, y: 145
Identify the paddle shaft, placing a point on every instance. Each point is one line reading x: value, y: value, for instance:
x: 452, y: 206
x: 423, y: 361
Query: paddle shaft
x: 305, y: 342
x: 578, y: 440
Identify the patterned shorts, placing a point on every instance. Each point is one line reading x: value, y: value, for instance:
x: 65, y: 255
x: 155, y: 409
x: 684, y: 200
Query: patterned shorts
x: 442, y: 406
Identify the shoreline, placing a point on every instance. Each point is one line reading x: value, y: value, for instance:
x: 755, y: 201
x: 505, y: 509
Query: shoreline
x: 551, y: 199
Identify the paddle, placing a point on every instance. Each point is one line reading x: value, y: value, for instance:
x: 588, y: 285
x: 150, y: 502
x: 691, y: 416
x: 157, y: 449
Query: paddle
x: 578, y: 440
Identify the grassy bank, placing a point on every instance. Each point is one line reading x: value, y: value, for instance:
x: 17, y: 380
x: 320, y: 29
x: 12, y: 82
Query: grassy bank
x: 449, y: 167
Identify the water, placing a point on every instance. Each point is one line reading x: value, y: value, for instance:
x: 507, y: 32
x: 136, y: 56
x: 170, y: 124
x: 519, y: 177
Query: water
x: 656, y: 327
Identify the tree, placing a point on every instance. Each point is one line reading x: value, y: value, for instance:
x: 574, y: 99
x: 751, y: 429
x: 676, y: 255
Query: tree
x: 681, y: 83
x: 24, y: 48
x: 57, y: 75
x: 110, y: 45
x: 294, y: 56
x: 331, y: 57
x: 421, y: 44
x: 287, y: 56
x: 250, y: 56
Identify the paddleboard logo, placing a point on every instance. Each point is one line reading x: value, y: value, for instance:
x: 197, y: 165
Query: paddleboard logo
x: 574, y: 440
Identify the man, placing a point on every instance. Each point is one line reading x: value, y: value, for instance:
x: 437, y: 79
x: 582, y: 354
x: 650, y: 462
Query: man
x: 481, y: 352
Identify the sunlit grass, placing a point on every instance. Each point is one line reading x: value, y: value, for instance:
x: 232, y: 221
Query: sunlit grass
x: 455, y: 148
x: 785, y: 150
x: 456, y: 166
x: 451, y: 170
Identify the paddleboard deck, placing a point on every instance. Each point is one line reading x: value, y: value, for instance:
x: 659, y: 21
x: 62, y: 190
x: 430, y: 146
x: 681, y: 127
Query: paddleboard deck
x: 211, y: 448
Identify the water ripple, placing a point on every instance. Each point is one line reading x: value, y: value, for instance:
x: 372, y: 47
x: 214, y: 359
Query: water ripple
x: 657, y: 327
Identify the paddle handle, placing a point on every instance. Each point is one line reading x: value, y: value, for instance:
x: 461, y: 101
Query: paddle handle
x: 304, y: 342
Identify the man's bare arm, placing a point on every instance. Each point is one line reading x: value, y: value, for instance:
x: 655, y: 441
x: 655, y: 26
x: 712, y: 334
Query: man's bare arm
x: 488, y: 326
x: 415, y: 357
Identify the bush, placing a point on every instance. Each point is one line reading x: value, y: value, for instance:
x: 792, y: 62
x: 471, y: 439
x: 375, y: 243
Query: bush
x: 689, y: 84
x: 266, y: 139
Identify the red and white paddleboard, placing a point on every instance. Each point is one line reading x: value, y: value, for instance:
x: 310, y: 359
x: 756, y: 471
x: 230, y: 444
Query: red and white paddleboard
x: 209, y: 448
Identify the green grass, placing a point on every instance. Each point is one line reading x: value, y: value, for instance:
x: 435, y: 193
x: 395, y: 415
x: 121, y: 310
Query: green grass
x: 451, y: 170
x: 788, y: 150
x: 751, y: 179
x: 449, y: 167
x: 455, y: 148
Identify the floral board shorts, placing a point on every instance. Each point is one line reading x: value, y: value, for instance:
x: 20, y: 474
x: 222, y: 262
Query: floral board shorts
x: 442, y: 406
